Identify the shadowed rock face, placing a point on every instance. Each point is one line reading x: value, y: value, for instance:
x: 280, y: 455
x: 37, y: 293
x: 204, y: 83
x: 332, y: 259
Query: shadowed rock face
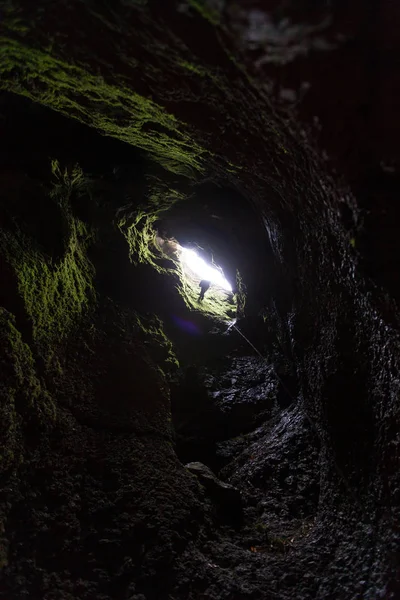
x: 334, y: 64
x: 128, y: 111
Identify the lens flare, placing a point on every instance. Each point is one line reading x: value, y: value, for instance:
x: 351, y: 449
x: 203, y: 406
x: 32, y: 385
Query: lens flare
x: 200, y: 268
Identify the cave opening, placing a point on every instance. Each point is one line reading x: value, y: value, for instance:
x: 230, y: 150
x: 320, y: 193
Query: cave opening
x: 198, y: 268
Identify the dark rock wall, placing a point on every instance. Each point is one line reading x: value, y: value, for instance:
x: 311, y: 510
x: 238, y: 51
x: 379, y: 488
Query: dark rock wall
x: 335, y: 64
x: 95, y: 501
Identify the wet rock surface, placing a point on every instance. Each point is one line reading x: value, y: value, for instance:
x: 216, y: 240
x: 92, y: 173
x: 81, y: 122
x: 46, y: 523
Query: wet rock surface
x: 281, y: 458
x: 244, y: 394
x: 278, y: 474
x: 224, y: 400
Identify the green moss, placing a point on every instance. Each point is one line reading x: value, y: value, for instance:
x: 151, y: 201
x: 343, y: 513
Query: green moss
x: 140, y: 236
x: 66, y: 182
x: 206, y: 11
x: 161, y: 347
x: 137, y: 225
x: 17, y: 26
x: 114, y: 110
x: 21, y: 395
x: 11, y: 16
x: 196, y: 69
x: 55, y: 294
x: 138, y: 228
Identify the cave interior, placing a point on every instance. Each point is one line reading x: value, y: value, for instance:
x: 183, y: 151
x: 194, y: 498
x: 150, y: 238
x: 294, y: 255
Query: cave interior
x: 159, y: 447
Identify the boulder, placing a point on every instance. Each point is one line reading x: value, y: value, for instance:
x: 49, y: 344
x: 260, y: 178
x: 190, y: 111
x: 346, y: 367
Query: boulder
x: 226, y: 498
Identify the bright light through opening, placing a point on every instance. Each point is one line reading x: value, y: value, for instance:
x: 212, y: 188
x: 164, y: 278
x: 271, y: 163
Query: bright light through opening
x: 203, y: 270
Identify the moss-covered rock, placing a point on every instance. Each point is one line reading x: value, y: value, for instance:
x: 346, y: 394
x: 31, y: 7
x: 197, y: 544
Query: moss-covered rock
x: 55, y: 293
x: 24, y: 401
x: 136, y: 222
x: 134, y: 118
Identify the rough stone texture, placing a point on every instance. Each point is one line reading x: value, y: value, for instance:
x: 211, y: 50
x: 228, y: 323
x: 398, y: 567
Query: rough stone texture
x: 244, y: 394
x: 95, y: 503
x: 220, y: 401
x: 335, y: 65
x: 225, y: 496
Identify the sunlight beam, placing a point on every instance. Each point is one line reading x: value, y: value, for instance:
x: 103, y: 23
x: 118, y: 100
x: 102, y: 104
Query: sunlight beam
x: 200, y: 268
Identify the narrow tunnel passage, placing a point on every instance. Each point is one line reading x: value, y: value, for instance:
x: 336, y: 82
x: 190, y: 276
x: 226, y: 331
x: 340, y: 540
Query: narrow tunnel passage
x: 226, y: 400
x: 156, y: 445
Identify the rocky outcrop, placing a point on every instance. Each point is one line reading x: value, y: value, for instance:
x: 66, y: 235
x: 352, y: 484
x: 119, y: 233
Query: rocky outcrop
x: 332, y: 64
x: 226, y: 498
